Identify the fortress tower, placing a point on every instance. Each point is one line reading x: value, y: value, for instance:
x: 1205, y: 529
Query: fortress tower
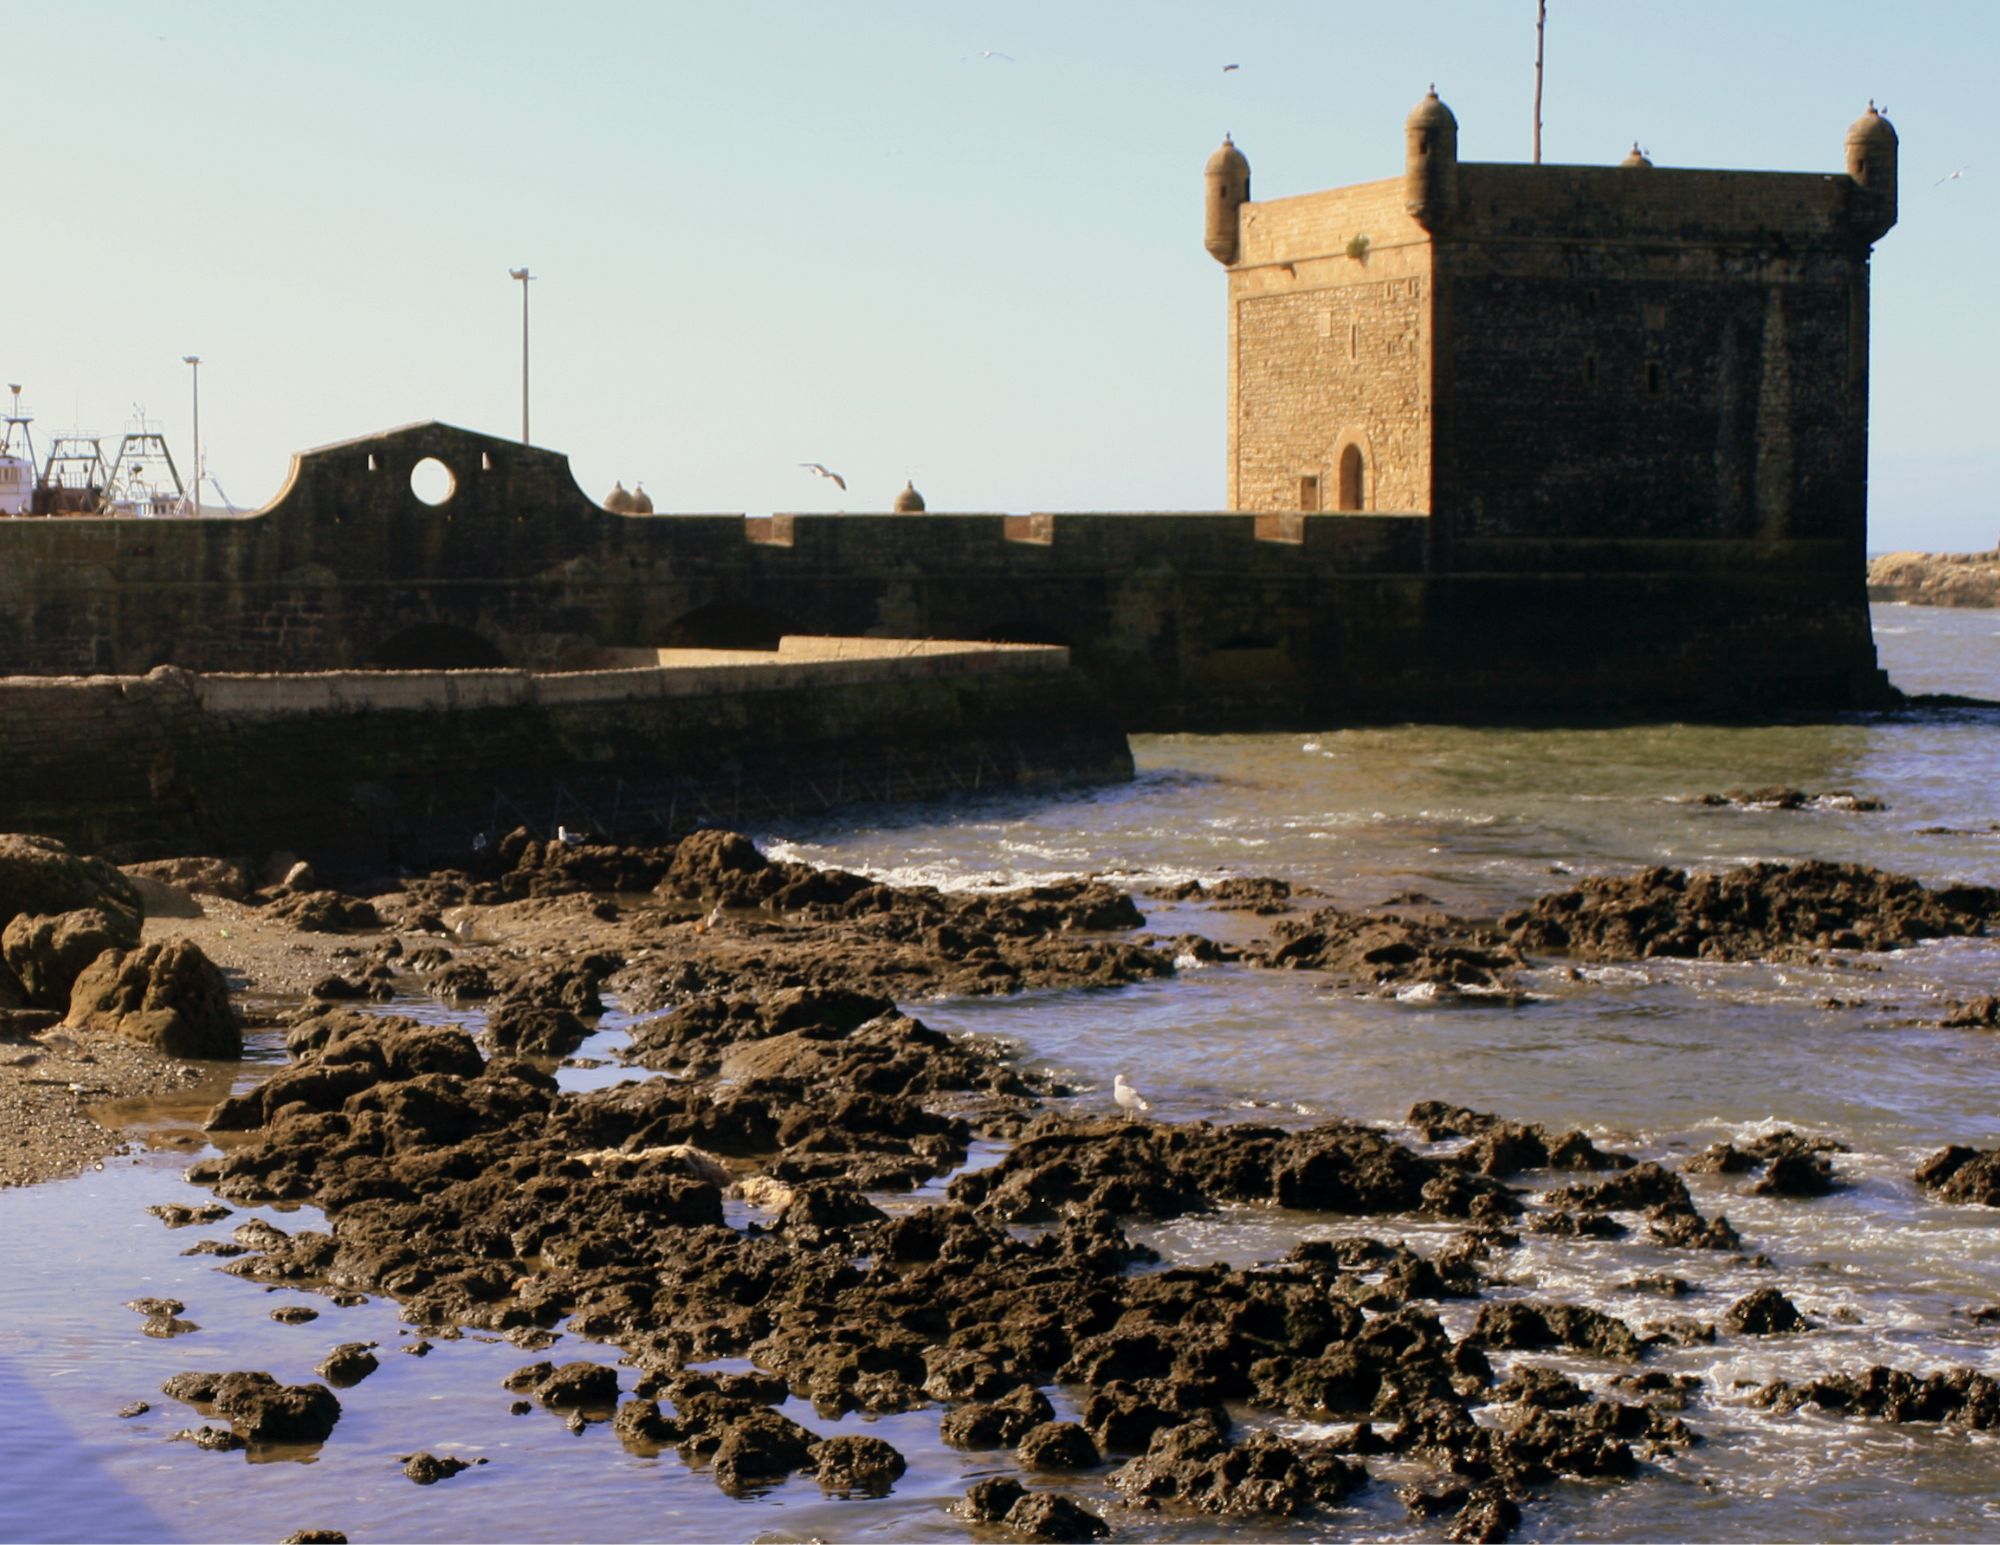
x: 1537, y: 353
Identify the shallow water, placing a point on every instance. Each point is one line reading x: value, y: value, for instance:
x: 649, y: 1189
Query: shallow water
x: 1662, y: 1060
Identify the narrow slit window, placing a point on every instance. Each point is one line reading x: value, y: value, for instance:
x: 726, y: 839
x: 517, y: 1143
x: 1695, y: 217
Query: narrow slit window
x: 1652, y: 378
x: 1309, y: 491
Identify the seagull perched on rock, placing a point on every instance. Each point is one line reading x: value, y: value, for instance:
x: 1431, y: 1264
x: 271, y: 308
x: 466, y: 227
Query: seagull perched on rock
x: 1127, y: 1097
x: 818, y: 471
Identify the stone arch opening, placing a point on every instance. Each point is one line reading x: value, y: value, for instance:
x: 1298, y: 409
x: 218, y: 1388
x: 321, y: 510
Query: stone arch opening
x: 1353, y: 479
x: 435, y: 646
x: 724, y: 625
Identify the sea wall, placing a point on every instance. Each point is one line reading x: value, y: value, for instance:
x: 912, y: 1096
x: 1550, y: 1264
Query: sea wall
x: 367, y: 768
x: 1180, y: 620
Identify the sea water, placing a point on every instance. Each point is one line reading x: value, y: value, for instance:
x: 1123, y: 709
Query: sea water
x: 1659, y: 1059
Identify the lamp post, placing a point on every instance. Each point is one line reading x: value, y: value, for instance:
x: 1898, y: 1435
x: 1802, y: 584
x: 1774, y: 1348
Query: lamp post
x: 524, y: 276
x: 193, y: 362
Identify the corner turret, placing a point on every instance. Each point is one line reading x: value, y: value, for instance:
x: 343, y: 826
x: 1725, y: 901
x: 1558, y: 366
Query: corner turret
x: 1430, y: 163
x: 1871, y: 162
x: 1228, y: 191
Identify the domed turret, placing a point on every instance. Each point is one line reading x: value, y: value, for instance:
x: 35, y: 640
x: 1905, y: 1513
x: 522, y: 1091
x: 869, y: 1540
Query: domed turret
x: 1871, y: 162
x: 1228, y: 180
x: 1636, y: 157
x: 1430, y: 162
x: 618, y: 501
x: 642, y: 502
x: 909, y: 501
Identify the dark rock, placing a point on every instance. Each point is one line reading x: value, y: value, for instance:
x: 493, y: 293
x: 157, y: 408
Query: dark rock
x: 314, y: 1537
x: 1796, y: 1174
x: 1766, y: 1312
x: 1529, y: 1325
x: 136, y: 1408
x: 1051, y: 1516
x: 429, y: 1469
x: 1759, y: 911
x: 348, y: 1364
x: 215, y: 1439
x: 324, y: 912
x: 258, y: 1407
x: 760, y: 1449
x: 1720, y: 1159
x: 196, y: 876
x: 1057, y: 1446
x: 534, y: 1029
x: 996, y: 1424
x: 175, y: 1215
x: 855, y: 1464
x: 1961, y: 1174
x: 295, y: 1314
x: 988, y: 1501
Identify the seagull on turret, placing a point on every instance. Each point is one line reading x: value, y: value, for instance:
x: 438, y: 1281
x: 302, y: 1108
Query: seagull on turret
x: 818, y: 471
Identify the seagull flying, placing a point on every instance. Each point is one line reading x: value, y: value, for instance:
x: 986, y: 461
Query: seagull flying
x: 1952, y: 176
x: 991, y: 53
x: 818, y: 471
x: 1127, y: 1097
x: 1228, y: 67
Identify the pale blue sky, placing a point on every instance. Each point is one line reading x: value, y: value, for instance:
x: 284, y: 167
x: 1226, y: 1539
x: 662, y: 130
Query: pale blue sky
x: 777, y: 232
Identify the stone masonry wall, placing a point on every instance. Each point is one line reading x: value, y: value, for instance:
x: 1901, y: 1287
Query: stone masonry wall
x: 1330, y: 349
x: 406, y: 768
x: 1180, y: 621
x: 1696, y: 342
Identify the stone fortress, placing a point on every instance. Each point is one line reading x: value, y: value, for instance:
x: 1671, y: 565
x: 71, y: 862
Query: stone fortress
x: 1505, y: 442
x: 1526, y: 353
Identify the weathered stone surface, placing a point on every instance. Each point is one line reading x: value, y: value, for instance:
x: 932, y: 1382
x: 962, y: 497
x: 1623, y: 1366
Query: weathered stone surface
x: 48, y: 954
x: 41, y: 877
x: 168, y: 996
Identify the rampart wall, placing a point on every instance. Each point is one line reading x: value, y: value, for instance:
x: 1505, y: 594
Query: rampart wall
x: 405, y: 767
x: 1182, y: 621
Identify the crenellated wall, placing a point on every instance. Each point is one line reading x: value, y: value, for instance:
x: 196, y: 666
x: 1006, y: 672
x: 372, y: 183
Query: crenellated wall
x: 1183, y: 621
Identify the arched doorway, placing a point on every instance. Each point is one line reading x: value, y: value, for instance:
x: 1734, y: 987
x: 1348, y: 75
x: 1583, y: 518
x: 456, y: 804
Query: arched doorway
x: 435, y: 646
x: 1353, y: 479
x: 724, y: 625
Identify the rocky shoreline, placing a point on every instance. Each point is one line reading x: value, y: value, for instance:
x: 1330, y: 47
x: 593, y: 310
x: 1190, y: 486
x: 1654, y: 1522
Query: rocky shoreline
x: 1936, y: 579
x: 791, y: 1187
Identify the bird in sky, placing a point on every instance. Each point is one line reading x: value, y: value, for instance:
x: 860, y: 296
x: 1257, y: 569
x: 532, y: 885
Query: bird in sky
x: 1228, y: 67
x: 1952, y: 176
x: 818, y: 471
x: 991, y: 53
x: 1127, y: 1097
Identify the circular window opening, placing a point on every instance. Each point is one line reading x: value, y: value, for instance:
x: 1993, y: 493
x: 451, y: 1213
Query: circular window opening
x: 431, y: 481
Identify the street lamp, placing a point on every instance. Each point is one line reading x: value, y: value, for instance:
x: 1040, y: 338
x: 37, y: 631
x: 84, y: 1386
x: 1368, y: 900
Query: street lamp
x: 193, y: 362
x: 524, y: 276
